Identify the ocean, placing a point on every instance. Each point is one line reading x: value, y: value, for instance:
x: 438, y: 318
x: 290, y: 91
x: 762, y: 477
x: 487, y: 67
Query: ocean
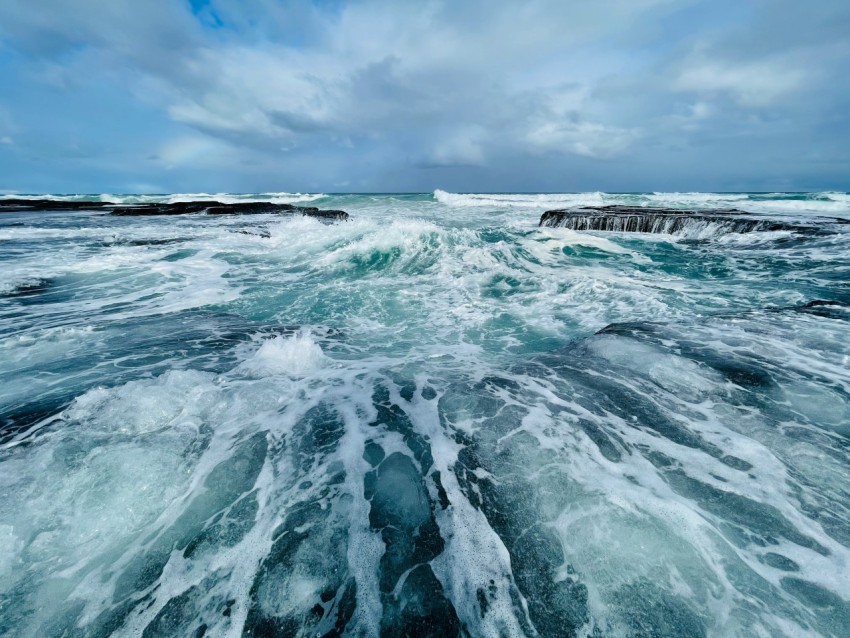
x: 436, y: 418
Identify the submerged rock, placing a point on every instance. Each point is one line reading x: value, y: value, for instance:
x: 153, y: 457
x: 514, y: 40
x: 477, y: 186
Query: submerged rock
x: 172, y: 208
x: 630, y: 219
x: 28, y: 289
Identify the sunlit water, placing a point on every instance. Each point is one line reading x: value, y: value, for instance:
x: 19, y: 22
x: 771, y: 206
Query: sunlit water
x: 434, y: 419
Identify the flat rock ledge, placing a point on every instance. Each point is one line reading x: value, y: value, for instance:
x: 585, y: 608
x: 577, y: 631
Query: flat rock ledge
x: 172, y: 208
x: 628, y: 219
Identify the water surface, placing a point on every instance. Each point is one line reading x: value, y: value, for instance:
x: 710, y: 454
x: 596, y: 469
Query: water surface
x: 434, y: 419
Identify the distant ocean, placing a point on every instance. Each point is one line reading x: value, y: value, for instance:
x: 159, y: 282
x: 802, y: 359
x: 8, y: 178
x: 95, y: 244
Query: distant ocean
x: 436, y: 418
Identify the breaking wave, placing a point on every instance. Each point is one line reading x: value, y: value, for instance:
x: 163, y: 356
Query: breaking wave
x: 820, y: 203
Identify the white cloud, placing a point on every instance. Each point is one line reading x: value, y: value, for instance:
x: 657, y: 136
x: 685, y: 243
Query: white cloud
x: 565, y: 121
x: 752, y: 84
x: 588, y: 139
x: 376, y: 70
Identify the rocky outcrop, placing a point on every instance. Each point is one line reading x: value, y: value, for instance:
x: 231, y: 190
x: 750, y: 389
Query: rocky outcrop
x: 172, y: 208
x: 15, y: 205
x: 627, y: 219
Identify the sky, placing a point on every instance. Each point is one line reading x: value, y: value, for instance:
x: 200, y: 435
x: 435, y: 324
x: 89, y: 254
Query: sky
x: 184, y: 96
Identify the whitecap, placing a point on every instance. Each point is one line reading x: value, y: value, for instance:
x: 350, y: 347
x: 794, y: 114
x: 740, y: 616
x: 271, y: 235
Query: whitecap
x: 295, y: 356
x: 553, y: 200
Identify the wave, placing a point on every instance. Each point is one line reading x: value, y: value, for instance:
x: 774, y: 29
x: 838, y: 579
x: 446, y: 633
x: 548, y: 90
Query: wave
x: 529, y: 200
x: 695, y: 199
x: 834, y: 203
x: 833, y: 196
x: 293, y: 356
x: 227, y: 198
x: 834, y: 207
x: 824, y: 202
x: 596, y: 198
x: 510, y: 430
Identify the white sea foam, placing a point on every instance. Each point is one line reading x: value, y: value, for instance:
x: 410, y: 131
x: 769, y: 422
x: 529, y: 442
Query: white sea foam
x: 816, y: 203
x: 834, y: 207
x: 295, y: 356
x: 573, y: 200
x: 843, y: 198
x: 556, y: 239
x: 521, y: 201
x: 697, y: 199
x: 227, y: 198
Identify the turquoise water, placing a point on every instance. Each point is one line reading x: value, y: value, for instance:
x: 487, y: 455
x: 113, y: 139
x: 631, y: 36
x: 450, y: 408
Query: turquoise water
x: 433, y: 419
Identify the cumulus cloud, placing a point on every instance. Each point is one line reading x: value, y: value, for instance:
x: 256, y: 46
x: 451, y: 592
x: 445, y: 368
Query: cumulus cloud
x: 371, y: 91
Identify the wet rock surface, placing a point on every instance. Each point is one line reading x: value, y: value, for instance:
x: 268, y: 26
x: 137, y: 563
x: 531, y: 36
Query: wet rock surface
x: 632, y: 219
x: 172, y: 208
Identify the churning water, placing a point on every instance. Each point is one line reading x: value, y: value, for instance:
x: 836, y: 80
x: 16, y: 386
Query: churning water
x: 433, y: 419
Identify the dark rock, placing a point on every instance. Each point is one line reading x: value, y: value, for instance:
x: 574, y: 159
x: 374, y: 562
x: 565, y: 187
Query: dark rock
x: 172, y: 208
x: 825, y: 308
x: 630, y: 219
x: 18, y: 205
x: 145, y: 242
x: 28, y: 289
x: 263, y: 233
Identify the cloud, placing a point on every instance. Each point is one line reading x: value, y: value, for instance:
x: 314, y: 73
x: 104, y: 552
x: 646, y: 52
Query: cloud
x: 587, y: 139
x: 757, y: 83
x: 565, y: 119
x: 463, y: 148
x: 365, y: 92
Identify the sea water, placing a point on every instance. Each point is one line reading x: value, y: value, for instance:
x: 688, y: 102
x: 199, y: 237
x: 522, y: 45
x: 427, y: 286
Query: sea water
x: 434, y: 419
